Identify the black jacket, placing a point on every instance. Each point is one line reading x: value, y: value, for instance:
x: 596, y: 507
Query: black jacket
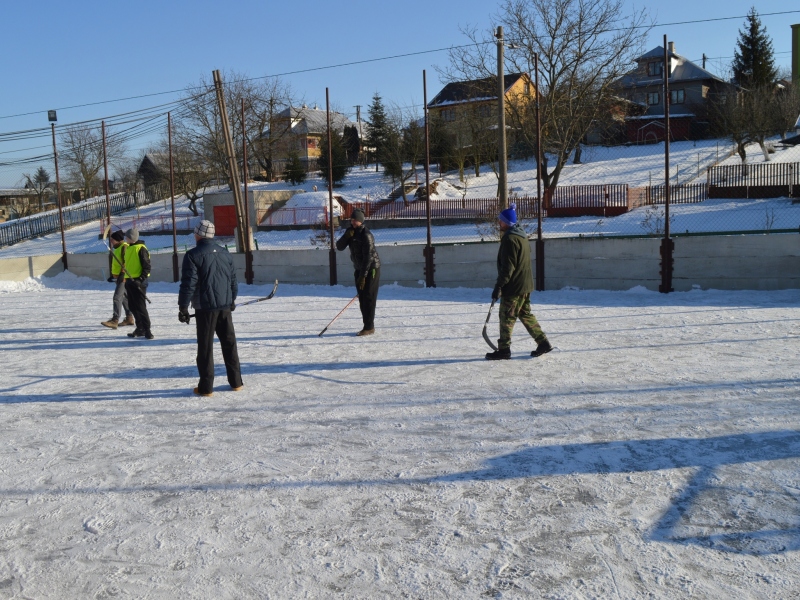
x: 362, y: 249
x: 208, y: 277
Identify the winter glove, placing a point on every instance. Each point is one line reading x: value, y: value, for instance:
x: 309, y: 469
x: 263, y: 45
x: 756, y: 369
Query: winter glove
x: 183, y: 314
x: 361, y: 282
x: 350, y: 232
x: 233, y: 306
x: 121, y: 278
x: 496, y: 292
x: 111, y: 279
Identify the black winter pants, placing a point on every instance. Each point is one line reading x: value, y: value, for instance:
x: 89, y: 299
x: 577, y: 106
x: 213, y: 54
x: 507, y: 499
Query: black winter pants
x: 138, y: 305
x: 368, y: 297
x: 220, y: 322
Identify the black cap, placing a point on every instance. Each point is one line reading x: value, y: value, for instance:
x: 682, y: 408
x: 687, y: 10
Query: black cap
x: 358, y: 215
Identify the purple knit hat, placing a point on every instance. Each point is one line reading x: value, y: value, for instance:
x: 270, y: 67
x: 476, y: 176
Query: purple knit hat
x: 509, y: 215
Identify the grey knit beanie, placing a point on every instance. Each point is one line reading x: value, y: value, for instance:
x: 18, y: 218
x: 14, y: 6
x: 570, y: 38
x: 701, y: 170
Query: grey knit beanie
x: 132, y: 234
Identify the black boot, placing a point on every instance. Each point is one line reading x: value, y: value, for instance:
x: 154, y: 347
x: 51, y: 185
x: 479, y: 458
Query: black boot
x: 136, y: 333
x: 542, y: 348
x: 502, y: 354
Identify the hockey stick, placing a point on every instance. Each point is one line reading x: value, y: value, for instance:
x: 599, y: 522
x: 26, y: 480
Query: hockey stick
x: 119, y: 262
x: 339, y: 315
x: 271, y: 294
x: 486, y: 335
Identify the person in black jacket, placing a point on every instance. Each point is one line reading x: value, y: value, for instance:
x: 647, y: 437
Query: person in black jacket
x: 367, y: 267
x: 208, y: 281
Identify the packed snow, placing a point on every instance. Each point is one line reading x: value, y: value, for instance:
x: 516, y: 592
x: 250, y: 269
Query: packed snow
x: 654, y: 453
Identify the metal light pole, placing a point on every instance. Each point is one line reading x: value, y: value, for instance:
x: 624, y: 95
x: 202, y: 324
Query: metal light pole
x: 332, y: 253
x: 105, y: 172
x: 539, y: 240
x: 248, y: 260
x: 429, y: 249
x: 667, y: 245
x: 51, y: 116
x: 501, y: 124
x: 172, y: 196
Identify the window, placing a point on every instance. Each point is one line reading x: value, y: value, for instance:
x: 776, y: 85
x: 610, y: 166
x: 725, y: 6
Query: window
x: 676, y: 96
x: 655, y: 69
x: 448, y: 114
x: 653, y: 98
x: 484, y: 111
x: 527, y: 89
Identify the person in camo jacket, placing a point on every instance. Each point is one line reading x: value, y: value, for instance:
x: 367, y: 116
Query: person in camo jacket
x: 514, y: 286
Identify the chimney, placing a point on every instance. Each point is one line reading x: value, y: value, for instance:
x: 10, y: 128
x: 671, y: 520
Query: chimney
x: 796, y: 54
x: 671, y: 47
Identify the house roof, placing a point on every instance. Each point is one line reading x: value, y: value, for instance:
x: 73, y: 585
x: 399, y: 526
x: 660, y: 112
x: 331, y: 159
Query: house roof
x: 683, y: 70
x: 458, y: 92
x: 791, y: 141
x: 305, y: 121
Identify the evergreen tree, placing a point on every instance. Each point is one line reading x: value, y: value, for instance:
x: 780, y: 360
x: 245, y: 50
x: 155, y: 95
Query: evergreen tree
x: 754, y: 60
x: 340, y: 166
x: 378, y: 128
x: 295, y: 172
x: 352, y: 144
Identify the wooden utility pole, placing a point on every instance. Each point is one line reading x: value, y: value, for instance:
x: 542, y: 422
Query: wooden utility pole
x: 233, y: 172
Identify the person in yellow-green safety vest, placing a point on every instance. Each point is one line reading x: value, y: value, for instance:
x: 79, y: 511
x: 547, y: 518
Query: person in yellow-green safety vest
x: 137, y: 270
x: 120, y: 301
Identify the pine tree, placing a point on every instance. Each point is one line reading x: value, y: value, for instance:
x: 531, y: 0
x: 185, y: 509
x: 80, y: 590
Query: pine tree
x: 352, y: 143
x: 295, y: 172
x: 754, y: 60
x: 378, y: 127
x: 339, y: 155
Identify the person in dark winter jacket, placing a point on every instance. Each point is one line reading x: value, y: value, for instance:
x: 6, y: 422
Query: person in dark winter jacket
x: 208, y: 282
x: 514, y: 286
x: 367, y: 266
x: 137, y: 271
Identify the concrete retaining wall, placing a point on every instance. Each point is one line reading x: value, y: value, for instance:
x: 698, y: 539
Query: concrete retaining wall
x: 19, y: 269
x: 759, y: 262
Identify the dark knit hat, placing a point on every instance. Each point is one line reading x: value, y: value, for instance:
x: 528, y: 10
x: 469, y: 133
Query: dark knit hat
x: 132, y: 234
x: 509, y: 215
x: 205, y: 229
x: 358, y: 215
x: 118, y: 236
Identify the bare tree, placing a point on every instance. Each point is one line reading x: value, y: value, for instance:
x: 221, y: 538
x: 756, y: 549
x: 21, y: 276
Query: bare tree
x: 583, y: 48
x: 730, y: 114
x: 787, y: 108
x: 201, y: 129
x: 39, y: 183
x: 82, y: 153
x: 403, y: 146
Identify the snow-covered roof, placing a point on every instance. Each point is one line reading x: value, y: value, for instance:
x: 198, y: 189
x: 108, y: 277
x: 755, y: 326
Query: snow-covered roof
x: 313, y: 121
x: 459, y: 92
x: 682, y: 69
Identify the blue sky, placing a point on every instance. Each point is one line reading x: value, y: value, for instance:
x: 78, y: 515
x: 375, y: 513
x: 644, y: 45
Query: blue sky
x: 59, y: 54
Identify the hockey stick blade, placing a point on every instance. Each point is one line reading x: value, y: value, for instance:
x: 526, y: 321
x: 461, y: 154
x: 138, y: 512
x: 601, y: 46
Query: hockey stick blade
x: 271, y: 294
x: 485, y: 325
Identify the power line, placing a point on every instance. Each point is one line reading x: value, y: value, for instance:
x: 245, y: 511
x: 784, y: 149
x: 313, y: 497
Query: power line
x: 383, y: 58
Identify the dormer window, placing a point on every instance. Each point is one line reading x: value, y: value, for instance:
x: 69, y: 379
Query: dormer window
x: 655, y: 69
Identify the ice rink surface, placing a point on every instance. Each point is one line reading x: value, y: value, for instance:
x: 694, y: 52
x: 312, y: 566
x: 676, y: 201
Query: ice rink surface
x: 654, y: 454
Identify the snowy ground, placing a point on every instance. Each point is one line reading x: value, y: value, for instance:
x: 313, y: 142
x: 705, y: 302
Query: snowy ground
x: 655, y: 454
x: 634, y: 165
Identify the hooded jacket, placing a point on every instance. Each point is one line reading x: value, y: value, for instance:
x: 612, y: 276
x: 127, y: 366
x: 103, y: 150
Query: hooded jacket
x: 208, y: 277
x: 514, y: 273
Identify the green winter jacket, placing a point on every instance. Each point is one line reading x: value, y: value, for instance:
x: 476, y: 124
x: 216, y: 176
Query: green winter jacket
x: 514, y: 274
